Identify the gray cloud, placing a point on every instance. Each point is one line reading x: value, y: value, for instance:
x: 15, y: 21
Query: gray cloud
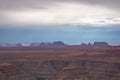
x: 43, y: 4
x: 24, y: 4
x: 113, y: 4
x: 92, y: 12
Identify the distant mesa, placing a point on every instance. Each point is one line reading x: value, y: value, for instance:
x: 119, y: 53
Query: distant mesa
x: 47, y: 44
x: 102, y: 44
x: 58, y: 43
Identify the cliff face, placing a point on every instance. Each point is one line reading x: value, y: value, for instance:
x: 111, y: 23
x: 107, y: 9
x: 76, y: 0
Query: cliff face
x: 10, y: 72
x: 89, y: 70
x: 61, y: 70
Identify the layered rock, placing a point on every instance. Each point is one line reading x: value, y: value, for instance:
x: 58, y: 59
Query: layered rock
x: 60, y: 70
x: 10, y: 72
x: 89, y: 70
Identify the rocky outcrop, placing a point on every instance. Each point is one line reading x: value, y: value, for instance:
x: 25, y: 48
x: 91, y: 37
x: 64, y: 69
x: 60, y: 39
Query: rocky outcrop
x: 10, y: 72
x: 61, y: 70
x: 89, y: 70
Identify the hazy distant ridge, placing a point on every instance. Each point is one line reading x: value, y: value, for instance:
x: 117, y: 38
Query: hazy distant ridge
x: 55, y: 43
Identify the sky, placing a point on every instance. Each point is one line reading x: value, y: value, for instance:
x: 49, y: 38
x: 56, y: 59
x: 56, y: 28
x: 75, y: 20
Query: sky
x: 70, y: 21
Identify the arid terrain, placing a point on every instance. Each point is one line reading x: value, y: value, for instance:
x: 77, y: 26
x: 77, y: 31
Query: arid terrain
x: 60, y: 63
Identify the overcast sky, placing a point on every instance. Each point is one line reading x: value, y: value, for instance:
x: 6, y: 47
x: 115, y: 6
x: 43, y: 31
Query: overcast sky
x: 71, y: 21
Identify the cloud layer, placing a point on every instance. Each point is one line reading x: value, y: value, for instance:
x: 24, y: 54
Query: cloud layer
x: 74, y: 12
x: 19, y: 4
x: 71, y: 21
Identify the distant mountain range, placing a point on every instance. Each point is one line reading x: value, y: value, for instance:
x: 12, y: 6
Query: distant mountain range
x: 56, y: 43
